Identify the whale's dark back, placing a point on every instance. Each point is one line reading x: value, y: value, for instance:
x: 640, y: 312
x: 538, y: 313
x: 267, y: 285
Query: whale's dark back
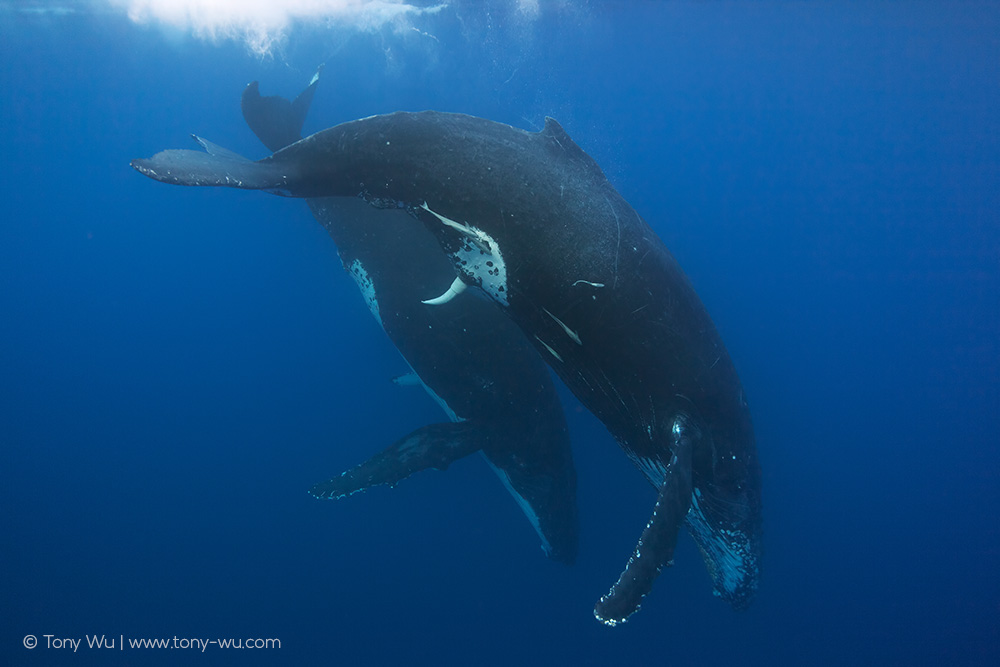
x: 591, y: 285
x: 584, y: 277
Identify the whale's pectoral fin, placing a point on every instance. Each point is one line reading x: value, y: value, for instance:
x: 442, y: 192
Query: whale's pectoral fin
x: 656, y: 545
x: 433, y: 446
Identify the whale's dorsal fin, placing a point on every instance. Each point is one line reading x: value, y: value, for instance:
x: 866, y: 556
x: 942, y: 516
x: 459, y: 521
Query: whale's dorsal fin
x: 555, y: 133
x: 215, y: 150
x: 407, y: 380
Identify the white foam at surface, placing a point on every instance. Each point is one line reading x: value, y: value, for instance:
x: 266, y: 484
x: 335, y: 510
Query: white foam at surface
x: 264, y: 23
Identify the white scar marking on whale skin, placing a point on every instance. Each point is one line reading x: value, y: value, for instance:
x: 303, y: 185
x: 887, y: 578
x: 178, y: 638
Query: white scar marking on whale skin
x: 639, y: 308
x: 587, y: 282
x: 569, y: 332
x: 549, y: 348
x: 480, y: 258
x: 367, y: 287
x: 456, y: 288
x: 618, y: 247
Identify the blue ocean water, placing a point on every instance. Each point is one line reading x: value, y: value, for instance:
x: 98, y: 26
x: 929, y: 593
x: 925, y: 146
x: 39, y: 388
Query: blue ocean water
x: 178, y: 366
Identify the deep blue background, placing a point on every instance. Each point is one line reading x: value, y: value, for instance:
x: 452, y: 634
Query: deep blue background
x: 177, y: 366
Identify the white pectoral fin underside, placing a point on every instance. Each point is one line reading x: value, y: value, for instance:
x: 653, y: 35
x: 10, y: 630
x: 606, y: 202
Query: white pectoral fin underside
x: 477, y: 257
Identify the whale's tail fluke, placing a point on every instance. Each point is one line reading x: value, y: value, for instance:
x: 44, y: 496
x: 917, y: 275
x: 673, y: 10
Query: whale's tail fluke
x: 277, y: 122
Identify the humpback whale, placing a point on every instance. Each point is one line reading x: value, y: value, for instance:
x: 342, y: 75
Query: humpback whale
x: 530, y: 220
x: 474, y: 362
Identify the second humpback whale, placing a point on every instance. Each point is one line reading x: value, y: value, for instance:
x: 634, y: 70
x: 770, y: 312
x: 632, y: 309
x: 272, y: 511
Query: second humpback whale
x: 531, y: 220
x: 471, y: 359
